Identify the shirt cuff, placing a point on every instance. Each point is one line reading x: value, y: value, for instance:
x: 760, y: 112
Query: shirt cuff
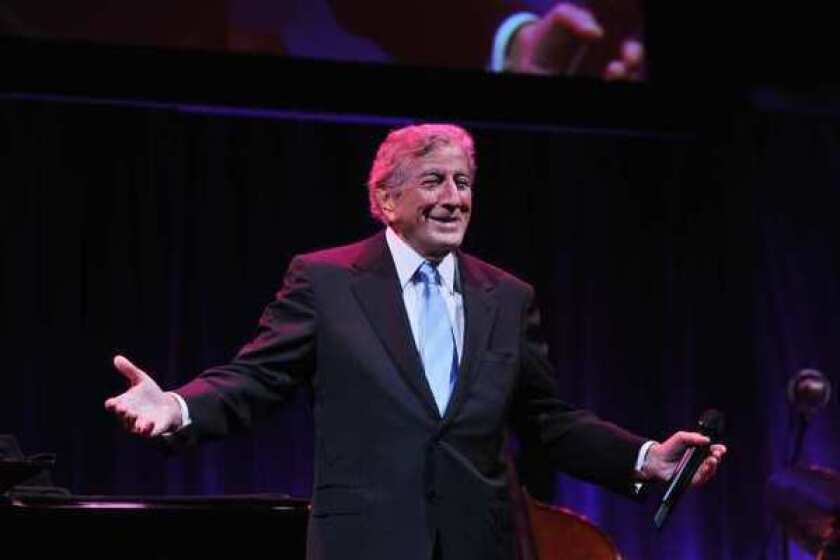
x: 185, y: 412
x: 640, y: 463
x: 643, y: 451
x: 501, y: 41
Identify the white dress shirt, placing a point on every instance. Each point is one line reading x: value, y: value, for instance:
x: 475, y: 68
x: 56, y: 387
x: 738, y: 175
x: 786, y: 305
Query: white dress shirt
x: 407, y: 261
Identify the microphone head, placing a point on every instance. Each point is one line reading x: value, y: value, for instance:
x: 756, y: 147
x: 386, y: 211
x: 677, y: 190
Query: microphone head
x: 809, y: 391
x: 711, y: 424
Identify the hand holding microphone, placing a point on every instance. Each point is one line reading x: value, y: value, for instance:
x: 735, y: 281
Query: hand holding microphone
x: 685, y: 459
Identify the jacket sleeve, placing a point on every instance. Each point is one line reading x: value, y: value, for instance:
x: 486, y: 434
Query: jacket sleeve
x: 575, y: 441
x: 231, y: 397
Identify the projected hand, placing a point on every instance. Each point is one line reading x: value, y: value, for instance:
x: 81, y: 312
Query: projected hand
x: 144, y: 409
x: 557, y: 44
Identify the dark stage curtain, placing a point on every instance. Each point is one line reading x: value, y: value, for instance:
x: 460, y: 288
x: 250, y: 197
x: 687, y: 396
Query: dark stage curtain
x: 676, y: 272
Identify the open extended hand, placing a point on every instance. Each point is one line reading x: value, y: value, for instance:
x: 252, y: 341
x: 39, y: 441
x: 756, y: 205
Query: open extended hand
x: 557, y: 42
x: 144, y: 409
x: 662, y: 458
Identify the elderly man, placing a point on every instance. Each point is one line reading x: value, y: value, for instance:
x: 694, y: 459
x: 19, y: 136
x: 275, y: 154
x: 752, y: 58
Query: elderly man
x: 420, y: 358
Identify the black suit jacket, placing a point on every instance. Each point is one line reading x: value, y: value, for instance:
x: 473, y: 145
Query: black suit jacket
x: 393, y: 478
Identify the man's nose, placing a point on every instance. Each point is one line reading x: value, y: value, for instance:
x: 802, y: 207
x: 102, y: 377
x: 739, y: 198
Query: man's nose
x: 449, y: 195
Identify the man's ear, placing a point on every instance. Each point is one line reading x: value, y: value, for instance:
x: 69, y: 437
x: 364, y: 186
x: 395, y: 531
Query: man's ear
x: 386, y: 198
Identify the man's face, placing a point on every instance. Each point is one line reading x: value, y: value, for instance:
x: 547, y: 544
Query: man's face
x: 431, y: 209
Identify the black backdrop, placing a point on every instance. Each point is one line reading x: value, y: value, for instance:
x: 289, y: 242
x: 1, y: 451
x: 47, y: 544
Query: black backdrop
x: 676, y: 271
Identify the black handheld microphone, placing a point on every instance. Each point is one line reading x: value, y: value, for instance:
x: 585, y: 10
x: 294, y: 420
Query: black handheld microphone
x: 711, y: 426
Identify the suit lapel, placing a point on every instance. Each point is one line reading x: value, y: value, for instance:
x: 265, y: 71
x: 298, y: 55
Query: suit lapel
x: 378, y: 291
x: 479, y: 314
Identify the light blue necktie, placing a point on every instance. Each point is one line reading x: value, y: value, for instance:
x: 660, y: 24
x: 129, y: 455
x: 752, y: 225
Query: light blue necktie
x: 437, y: 340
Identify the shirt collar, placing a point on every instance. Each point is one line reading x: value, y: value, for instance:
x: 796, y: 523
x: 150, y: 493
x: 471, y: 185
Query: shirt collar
x: 407, y: 261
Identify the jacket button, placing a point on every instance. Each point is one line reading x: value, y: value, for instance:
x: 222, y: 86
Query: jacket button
x: 431, y: 495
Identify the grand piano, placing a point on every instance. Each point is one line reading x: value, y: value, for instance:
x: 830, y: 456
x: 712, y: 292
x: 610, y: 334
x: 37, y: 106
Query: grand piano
x: 153, y: 527
x: 39, y: 520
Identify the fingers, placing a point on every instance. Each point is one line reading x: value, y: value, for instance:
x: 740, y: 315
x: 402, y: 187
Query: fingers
x: 576, y: 20
x: 632, y: 54
x: 139, y: 425
x: 140, y: 419
x: 706, y: 471
x: 127, y: 413
x: 718, y: 450
x: 673, y: 447
x: 710, y: 465
x: 143, y: 428
x: 132, y: 373
x: 690, y: 438
x: 616, y: 70
x: 121, y: 409
x: 554, y: 44
x: 125, y: 418
x: 630, y: 66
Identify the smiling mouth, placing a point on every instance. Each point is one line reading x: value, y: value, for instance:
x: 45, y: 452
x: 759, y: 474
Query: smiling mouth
x: 445, y: 219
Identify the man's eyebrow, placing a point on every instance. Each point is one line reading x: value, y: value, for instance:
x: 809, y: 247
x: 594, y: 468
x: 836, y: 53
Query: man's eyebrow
x: 439, y: 171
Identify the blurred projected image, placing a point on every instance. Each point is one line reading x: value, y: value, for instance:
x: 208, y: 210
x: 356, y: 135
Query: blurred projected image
x: 574, y: 38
